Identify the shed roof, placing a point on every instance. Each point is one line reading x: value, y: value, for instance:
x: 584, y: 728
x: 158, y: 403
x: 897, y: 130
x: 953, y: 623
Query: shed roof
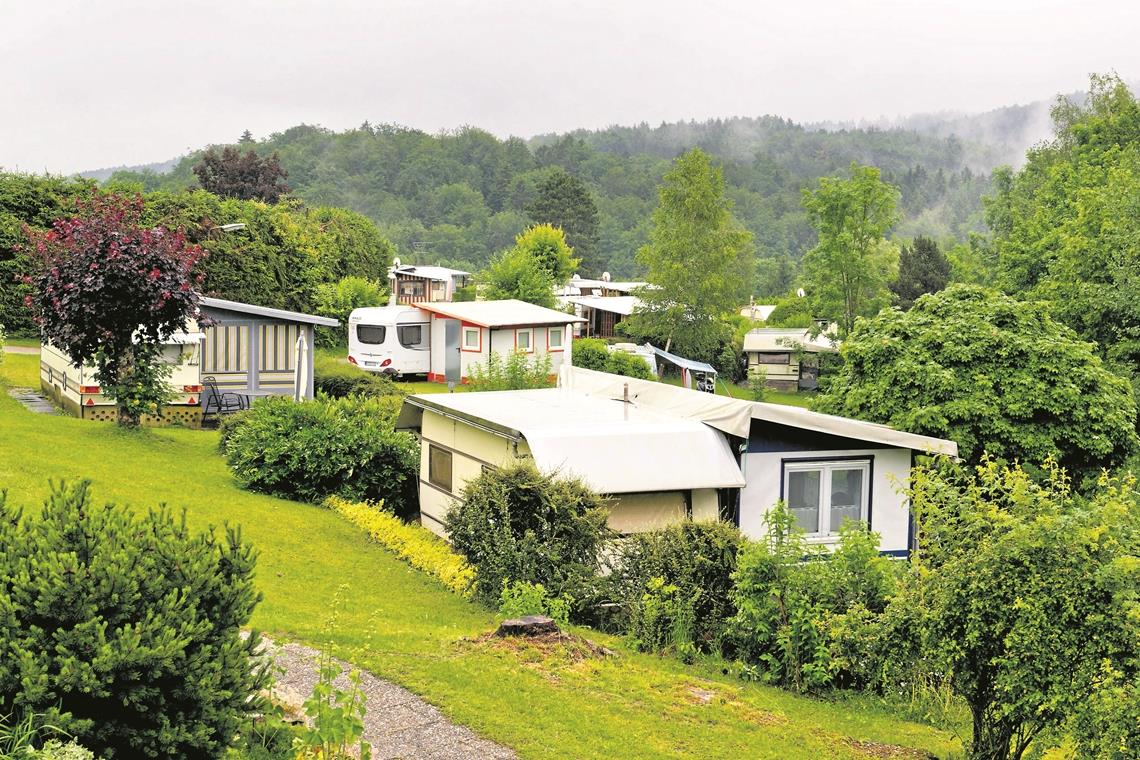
x: 623, y: 305
x: 734, y: 416
x: 508, y: 313
x: 785, y: 339
x: 615, y: 446
x: 442, y: 274
x: 265, y: 311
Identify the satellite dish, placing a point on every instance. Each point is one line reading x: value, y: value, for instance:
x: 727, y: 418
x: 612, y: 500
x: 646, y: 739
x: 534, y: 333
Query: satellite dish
x: 800, y: 293
x: 396, y: 263
x: 576, y: 277
x: 605, y: 276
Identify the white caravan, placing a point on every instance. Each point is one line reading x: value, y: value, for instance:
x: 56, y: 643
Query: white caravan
x: 394, y: 340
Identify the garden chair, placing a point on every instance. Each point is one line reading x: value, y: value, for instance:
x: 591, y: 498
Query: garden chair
x: 219, y: 402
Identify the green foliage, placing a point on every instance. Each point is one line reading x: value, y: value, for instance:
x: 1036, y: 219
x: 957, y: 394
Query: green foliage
x: 514, y: 273
x: 516, y: 524
x: 992, y: 373
x: 663, y: 620
x: 697, y: 560
x: 808, y: 617
x: 757, y: 383
x: 1108, y: 728
x: 1066, y: 225
x: 699, y: 260
x: 923, y: 268
x: 337, y: 300
x: 335, y: 715
x: 123, y: 629
x: 313, y: 449
x: 547, y: 245
x: 245, y: 176
x: 591, y: 353
x: 846, y: 273
x: 520, y: 598
x: 517, y: 372
x: 630, y: 365
x: 564, y: 201
x: 414, y: 544
x: 1022, y: 595
x: 336, y: 378
x: 57, y: 750
x: 791, y: 311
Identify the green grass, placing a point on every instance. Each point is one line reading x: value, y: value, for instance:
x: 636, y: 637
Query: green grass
x: 402, y: 626
x: 25, y: 342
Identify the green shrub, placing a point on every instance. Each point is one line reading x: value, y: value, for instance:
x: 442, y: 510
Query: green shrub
x: 516, y: 524
x: 664, y: 620
x: 516, y: 373
x: 57, y: 750
x: 630, y: 365
x: 414, y: 544
x: 520, y: 598
x: 338, y: 299
x: 313, y: 449
x: 123, y: 629
x: 758, y: 383
x: 591, y: 353
x: 698, y: 558
x: 337, y: 378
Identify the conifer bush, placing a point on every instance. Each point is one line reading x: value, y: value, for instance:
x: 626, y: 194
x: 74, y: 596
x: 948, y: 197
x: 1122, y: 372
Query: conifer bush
x: 123, y: 630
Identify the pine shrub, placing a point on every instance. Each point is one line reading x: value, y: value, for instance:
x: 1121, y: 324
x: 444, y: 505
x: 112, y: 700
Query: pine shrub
x: 124, y: 630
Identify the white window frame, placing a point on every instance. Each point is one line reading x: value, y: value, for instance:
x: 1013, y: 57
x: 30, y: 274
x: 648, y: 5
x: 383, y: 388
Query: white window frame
x: 529, y: 332
x: 478, y: 333
x: 561, y: 331
x: 825, y: 467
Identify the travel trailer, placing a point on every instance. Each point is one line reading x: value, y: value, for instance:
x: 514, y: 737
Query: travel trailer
x: 394, y: 339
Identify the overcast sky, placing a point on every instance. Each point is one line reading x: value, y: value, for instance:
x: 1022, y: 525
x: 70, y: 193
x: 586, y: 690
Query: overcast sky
x: 93, y: 83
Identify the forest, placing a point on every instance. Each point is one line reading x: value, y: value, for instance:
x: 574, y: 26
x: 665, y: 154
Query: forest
x: 456, y: 198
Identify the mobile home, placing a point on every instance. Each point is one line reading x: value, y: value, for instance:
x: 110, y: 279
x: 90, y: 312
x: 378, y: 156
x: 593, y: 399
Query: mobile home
x: 789, y: 358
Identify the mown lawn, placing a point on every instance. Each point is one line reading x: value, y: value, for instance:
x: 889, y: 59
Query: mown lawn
x: 400, y: 625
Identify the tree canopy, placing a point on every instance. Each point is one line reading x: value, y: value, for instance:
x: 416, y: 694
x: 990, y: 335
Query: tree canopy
x: 699, y: 261
x: 564, y: 201
x: 245, y: 176
x: 997, y: 375
x: 923, y: 268
x: 846, y: 273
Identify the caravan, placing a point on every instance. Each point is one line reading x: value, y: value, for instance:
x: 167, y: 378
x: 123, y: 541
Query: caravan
x: 393, y: 340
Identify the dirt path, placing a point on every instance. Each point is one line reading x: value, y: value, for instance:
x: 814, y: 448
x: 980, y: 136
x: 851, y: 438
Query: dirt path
x: 398, y: 723
x: 21, y: 349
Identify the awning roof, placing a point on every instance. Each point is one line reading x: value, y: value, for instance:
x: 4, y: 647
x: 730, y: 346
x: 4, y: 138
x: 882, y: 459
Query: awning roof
x: 623, y: 305
x: 265, y: 311
x: 780, y: 339
x: 689, y: 364
x: 616, y: 447
x: 734, y: 416
x: 508, y: 313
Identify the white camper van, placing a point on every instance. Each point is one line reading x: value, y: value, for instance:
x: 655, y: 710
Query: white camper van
x: 394, y: 340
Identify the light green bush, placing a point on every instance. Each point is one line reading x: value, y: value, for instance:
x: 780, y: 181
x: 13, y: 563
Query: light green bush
x: 414, y: 544
x: 520, y: 598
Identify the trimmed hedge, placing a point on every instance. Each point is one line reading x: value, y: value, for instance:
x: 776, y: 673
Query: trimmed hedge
x: 414, y: 544
x: 339, y: 379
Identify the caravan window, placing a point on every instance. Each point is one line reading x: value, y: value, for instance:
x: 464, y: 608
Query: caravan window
x: 439, y: 467
x: 371, y: 334
x: 823, y: 495
x: 410, y: 335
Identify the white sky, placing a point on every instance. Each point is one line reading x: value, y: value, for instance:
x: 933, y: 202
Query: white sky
x: 86, y: 84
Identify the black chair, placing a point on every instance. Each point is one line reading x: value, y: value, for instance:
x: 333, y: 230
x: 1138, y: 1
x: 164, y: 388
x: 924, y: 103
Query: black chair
x: 218, y: 402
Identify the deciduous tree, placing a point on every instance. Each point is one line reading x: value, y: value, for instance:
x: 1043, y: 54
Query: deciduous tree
x: 994, y: 374
x: 246, y: 176
x: 846, y: 273
x: 109, y: 292
x: 699, y: 261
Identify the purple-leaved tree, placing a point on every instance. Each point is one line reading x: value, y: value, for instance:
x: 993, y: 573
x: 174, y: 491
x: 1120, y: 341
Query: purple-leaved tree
x: 110, y: 293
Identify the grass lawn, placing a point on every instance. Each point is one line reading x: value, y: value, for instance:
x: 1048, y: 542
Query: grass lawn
x: 25, y: 342
x: 724, y: 388
x: 400, y: 625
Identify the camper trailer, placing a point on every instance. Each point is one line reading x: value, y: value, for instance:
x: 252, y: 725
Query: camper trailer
x: 393, y: 340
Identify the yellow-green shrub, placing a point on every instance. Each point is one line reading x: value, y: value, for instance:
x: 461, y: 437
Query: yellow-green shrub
x: 414, y: 544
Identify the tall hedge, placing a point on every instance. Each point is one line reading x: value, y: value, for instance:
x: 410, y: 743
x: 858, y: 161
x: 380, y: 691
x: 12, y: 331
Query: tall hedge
x: 123, y: 629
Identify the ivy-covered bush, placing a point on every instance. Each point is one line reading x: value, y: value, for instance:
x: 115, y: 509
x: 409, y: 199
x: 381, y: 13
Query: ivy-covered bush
x: 313, y: 449
x: 516, y: 524
x: 123, y: 629
x: 696, y: 558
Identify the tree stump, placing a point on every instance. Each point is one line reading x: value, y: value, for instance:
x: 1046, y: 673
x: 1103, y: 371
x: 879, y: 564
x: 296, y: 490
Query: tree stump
x: 531, y: 625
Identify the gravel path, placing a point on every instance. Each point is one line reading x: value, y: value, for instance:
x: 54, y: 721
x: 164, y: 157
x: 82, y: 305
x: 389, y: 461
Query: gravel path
x: 21, y: 349
x: 398, y: 724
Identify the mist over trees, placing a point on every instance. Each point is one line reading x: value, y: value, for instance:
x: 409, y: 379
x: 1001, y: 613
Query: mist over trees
x: 460, y: 197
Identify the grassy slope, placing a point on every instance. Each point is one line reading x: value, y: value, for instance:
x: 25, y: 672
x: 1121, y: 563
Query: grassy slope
x: 398, y: 624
